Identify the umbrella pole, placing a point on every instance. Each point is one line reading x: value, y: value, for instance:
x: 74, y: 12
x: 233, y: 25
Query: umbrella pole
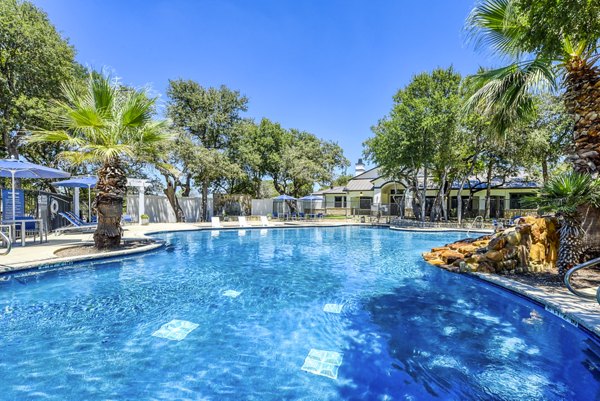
x: 89, y: 203
x: 12, y: 175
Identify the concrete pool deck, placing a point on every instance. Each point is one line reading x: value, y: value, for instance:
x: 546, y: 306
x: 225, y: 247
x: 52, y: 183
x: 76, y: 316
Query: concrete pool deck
x: 558, y: 301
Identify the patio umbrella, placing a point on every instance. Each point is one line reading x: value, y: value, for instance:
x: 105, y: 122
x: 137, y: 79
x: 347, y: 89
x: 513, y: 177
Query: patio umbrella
x: 15, y: 168
x: 88, y: 182
x: 311, y: 198
x: 284, y: 198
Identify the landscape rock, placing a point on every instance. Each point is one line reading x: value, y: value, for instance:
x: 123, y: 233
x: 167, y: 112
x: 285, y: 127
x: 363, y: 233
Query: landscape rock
x: 530, y: 246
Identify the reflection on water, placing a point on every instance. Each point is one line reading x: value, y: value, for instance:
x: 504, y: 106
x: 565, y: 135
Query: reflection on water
x: 405, y: 330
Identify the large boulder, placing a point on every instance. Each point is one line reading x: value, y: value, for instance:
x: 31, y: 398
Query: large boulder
x: 530, y: 246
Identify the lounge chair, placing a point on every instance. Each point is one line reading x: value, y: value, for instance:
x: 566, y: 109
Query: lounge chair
x: 264, y: 221
x: 126, y: 219
x: 243, y: 222
x: 75, y: 225
x: 215, y: 222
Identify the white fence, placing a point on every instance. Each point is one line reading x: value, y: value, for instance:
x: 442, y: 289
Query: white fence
x: 262, y: 207
x: 159, y: 209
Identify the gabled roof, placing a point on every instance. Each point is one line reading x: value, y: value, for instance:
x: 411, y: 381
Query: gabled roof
x: 334, y: 190
x: 371, y: 174
x: 359, y: 185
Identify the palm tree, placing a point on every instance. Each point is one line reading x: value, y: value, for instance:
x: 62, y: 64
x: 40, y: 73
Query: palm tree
x: 105, y: 123
x: 505, y: 92
x: 564, y: 194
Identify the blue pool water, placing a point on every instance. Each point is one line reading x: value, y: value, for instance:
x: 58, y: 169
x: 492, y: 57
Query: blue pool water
x: 406, y: 331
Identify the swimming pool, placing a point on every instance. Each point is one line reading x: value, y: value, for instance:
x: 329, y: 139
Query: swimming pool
x: 406, y: 330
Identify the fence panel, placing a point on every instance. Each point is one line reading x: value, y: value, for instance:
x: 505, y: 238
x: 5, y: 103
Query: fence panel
x: 159, y: 209
x: 262, y: 207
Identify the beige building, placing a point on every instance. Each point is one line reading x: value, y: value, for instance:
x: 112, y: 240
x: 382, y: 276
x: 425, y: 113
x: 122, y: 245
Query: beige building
x: 369, y: 192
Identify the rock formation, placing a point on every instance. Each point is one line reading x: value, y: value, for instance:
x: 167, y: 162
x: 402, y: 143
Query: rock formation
x: 530, y: 246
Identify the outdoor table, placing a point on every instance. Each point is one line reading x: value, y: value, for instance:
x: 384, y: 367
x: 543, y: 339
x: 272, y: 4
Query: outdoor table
x: 39, y: 224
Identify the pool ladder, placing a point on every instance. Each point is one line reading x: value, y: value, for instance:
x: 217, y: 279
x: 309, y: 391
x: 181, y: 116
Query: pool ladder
x: 579, y: 293
x: 477, y: 219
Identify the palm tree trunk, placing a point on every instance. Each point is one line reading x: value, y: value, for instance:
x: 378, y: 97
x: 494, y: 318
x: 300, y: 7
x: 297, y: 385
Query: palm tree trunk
x: 571, y: 244
x: 110, y: 190
x: 582, y: 100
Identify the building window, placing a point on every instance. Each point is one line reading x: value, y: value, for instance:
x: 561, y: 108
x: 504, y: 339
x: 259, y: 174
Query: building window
x: 365, y: 202
x: 339, y: 201
x: 516, y: 200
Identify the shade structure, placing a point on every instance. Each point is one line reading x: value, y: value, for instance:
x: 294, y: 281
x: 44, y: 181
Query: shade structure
x: 311, y: 198
x: 284, y: 198
x: 15, y: 168
x: 88, y: 182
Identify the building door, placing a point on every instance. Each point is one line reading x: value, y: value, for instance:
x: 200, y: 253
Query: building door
x: 496, y: 207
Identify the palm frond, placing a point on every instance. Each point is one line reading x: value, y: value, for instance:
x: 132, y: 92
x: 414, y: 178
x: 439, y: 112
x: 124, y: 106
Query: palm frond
x: 566, y: 192
x: 505, y: 94
x: 491, y: 24
x: 54, y: 136
x: 106, y: 121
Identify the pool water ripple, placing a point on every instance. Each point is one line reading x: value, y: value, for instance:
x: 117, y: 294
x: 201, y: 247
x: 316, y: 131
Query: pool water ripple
x: 407, y: 330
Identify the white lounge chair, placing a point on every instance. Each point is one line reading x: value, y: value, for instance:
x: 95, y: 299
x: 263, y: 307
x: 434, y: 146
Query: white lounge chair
x: 243, y: 222
x: 215, y: 222
x: 264, y: 221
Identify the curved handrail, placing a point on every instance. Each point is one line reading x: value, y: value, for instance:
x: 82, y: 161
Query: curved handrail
x: 572, y: 270
x: 4, y: 238
x: 473, y: 224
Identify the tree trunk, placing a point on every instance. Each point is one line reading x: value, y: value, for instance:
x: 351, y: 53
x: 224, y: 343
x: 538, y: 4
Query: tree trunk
x: 110, y: 190
x: 582, y: 100
x: 187, y: 187
x: 205, y: 200
x: 488, y: 190
x: 545, y: 174
x: 170, y: 192
x: 424, y: 196
x: 570, y: 246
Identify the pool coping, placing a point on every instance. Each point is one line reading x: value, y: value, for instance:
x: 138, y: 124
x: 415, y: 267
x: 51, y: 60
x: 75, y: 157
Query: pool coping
x: 442, y: 230
x: 67, y: 260
x: 564, y: 305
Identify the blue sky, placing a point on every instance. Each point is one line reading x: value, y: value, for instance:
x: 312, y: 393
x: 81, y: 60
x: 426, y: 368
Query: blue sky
x: 327, y: 67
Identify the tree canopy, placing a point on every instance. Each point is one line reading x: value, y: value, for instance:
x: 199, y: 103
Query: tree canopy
x: 35, y: 60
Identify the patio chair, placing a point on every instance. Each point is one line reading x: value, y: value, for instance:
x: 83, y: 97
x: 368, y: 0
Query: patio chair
x: 215, y: 222
x: 243, y: 222
x: 75, y: 226
x: 275, y: 215
x: 265, y: 222
x: 301, y: 216
x: 320, y: 216
x: 127, y: 219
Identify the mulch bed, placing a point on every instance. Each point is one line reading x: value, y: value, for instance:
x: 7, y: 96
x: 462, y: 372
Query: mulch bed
x: 584, y: 278
x: 89, y: 249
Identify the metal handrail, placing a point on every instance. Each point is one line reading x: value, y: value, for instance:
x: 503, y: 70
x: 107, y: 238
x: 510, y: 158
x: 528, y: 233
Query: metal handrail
x: 572, y: 270
x: 478, y: 218
x: 4, y: 238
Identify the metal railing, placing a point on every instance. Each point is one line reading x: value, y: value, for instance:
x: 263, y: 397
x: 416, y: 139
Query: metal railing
x: 6, y: 240
x: 572, y: 270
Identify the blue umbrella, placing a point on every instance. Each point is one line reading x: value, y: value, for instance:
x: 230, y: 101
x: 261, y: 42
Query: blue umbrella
x: 311, y: 198
x: 88, y: 182
x: 15, y: 168
x: 284, y: 197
